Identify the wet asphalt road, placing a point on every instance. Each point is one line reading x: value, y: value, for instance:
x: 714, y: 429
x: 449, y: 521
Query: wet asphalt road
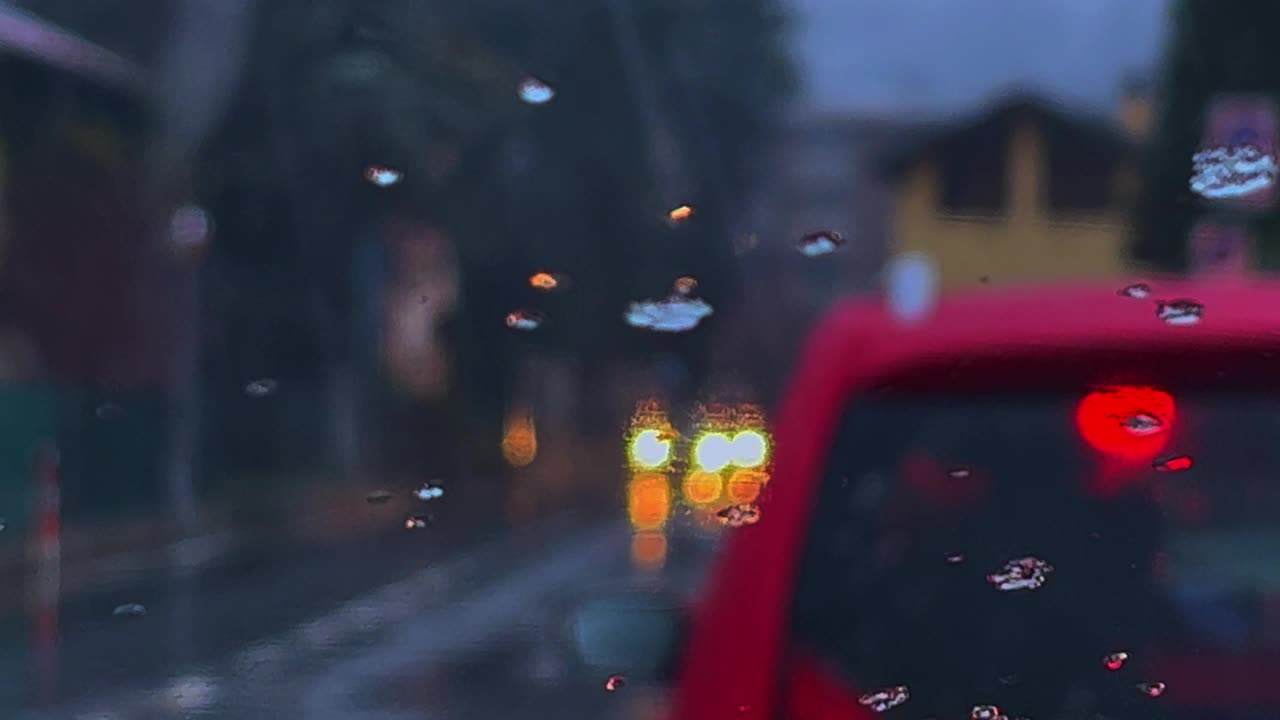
x: 405, y: 624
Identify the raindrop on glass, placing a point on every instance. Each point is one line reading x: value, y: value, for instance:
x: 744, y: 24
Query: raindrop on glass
x: 985, y: 712
x: 1151, y: 689
x: 885, y: 699
x: 416, y: 522
x: 535, y: 92
x: 1175, y: 463
x: 685, y: 285
x: 526, y: 320
x: 821, y: 242
x: 1028, y: 573
x: 741, y: 515
x: 382, y: 175
x: 377, y: 497
x: 959, y: 473
x: 678, y: 313
x: 261, y: 387
x: 615, y: 682
x: 955, y: 558
x: 547, y: 282
x: 1235, y: 171
x: 1180, y: 312
x: 429, y: 492
x: 1137, y: 291
x: 680, y: 213
x: 1115, y: 661
x: 1142, y: 424
x: 129, y: 610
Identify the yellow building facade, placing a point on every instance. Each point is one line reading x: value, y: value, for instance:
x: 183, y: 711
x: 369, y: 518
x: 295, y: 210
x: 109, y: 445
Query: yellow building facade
x: 1023, y: 192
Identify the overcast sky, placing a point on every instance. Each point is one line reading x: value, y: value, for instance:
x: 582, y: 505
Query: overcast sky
x: 927, y: 55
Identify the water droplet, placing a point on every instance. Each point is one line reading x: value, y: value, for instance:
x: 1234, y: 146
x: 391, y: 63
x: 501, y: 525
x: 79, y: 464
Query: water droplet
x: 985, y: 712
x: 416, y: 522
x: 615, y: 682
x: 685, y: 285
x: 130, y: 610
x: 261, y: 387
x: 959, y: 473
x: 527, y: 320
x: 547, y: 282
x: 429, y: 492
x: 741, y: 515
x: 4, y: 524
x: 885, y: 699
x: 680, y: 213
x: 955, y: 558
x: 820, y: 242
x: 1151, y: 689
x: 535, y: 92
x: 382, y: 175
x: 1142, y: 424
x: 1174, y: 463
x: 1232, y: 172
x: 1027, y: 573
x: 1137, y: 291
x: 1180, y: 312
x: 678, y: 313
x: 377, y: 497
x: 1115, y: 661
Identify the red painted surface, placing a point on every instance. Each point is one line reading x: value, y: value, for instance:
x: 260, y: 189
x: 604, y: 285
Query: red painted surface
x: 735, y: 656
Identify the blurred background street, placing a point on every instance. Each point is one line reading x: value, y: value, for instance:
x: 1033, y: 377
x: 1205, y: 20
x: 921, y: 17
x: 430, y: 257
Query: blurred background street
x: 346, y: 345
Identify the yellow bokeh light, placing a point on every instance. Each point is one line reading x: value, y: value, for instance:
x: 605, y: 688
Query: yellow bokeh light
x: 713, y: 452
x: 648, y: 501
x: 750, y: 449
x: 702, y: 488
x: 649, y: 449
x: 745, y: 485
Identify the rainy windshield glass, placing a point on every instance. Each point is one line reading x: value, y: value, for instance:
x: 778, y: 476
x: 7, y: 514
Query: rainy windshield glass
x: 347, y: 346
x: 1051, y: 556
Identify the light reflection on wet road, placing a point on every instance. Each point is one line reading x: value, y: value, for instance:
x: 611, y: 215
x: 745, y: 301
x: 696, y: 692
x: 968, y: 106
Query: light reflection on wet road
x: 464, y: 635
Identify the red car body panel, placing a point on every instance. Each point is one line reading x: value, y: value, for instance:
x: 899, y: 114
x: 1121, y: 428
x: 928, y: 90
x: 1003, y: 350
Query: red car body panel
x: 735, y: 663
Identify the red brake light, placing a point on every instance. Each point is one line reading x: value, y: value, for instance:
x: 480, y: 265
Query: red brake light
x: 1130, y: 423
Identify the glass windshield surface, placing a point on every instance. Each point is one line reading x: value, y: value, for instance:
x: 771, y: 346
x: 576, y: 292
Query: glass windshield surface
x: 1049, y: 556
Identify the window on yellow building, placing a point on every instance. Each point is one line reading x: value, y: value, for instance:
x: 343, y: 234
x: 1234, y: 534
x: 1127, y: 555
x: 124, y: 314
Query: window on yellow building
x: 1081, y: 171
x: 973, y: 168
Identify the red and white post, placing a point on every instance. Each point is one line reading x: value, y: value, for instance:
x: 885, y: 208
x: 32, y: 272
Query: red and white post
x: 46, y: 565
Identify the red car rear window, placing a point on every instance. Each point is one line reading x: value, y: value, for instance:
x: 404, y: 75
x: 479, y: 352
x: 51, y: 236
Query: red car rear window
x: 989, y: 557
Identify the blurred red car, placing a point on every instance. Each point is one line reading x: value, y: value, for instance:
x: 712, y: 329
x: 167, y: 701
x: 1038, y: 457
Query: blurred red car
x: 1034, y: 502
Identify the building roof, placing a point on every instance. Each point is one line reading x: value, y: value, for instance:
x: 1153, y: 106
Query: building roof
x: 929, y: 137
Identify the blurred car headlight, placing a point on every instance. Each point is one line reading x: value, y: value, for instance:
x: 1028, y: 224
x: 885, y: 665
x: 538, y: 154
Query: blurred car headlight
x: 713, y: 452
x: 649, y: 449
x: 750, y: 449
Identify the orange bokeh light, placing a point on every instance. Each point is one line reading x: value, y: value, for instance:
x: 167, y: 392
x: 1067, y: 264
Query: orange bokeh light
x: 648, y: 550
x: 701, y: 488
x: 648, y: 501
x: 745, y: 485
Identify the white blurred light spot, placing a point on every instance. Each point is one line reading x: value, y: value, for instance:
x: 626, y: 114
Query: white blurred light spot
x: 750, y: 449
x: 189, y: 226
x: 911, y: 285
